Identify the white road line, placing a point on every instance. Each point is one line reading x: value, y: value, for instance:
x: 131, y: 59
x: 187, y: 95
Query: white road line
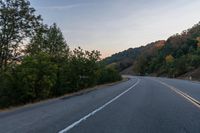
x: 97, y: 110
x: 185, y: 95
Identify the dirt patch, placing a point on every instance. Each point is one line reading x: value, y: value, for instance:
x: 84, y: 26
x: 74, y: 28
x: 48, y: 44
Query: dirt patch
x: 192, y: 75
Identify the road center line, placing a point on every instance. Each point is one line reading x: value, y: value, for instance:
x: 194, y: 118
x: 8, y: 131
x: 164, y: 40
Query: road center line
x: 184, y: 95
x: 98, y: 109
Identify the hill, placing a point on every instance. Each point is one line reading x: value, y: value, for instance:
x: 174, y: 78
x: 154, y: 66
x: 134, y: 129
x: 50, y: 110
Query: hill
x: 174, y: 57
x: 125, y: 59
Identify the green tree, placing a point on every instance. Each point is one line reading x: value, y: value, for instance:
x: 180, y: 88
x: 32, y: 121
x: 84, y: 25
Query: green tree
x: 82, y: 68
x: 38, y: 41
x: 37, y: 75
x: 17, y: 22
x: 56, y: 45
x: 180, y: 65
x: 49, y: 40
x: 140, y: 66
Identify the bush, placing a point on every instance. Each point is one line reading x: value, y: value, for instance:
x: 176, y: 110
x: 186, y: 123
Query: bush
x: 7, y: 90
x: 30, y: 81
x: 37, y: 75
x: 106, y: 75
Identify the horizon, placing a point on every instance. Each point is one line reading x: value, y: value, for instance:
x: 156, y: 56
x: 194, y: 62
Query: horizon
x: 113, y: 26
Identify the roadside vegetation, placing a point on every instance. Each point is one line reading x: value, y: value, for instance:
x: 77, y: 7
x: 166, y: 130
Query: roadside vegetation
x: 35, y: 61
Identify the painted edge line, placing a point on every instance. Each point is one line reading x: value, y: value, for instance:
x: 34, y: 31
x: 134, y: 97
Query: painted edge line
x: 98, y: 109
x: 185, y: 95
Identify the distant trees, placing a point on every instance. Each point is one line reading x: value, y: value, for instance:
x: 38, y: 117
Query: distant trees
x: 139, y: 67
x: 46, y: 67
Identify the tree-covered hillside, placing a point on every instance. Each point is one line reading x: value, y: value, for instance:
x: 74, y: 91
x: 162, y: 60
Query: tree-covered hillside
x: 179, y: 55
x: 127, y: 58
x: 174, y: 57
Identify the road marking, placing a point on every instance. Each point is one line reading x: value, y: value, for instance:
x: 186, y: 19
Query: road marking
x: 185, y: 95
x: 97, y: 110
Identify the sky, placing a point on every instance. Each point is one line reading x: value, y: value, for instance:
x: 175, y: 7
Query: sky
x: 112, y: 26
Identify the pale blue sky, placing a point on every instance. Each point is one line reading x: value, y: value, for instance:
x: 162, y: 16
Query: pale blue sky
x: 115, y: 25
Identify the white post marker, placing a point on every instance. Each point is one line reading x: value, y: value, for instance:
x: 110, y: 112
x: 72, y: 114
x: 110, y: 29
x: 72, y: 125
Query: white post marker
x: 97, y: 110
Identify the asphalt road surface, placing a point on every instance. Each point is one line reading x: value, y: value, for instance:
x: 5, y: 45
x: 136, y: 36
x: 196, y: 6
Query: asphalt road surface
x: 139, y: 105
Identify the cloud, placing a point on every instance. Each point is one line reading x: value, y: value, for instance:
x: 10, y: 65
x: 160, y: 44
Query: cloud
x: 63, y: 7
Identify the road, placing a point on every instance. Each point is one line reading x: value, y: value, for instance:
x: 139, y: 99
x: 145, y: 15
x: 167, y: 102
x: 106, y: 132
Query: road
x: 139, y: 105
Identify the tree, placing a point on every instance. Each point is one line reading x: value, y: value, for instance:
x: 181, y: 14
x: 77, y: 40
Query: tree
x: 139, y: 67
x: 17, y: 22
x: 169, y: 58
x: 37, y: 75
x: 49, y: 40
x: 56, y: 45
x: 198, y: 39
x: 82, y: 68
x: 181, y: 66
x: 38, y: 41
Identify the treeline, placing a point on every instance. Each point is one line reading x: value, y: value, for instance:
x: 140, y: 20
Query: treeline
x: 179, y: 54
x: 35, y: 61
x: 129, y: 54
